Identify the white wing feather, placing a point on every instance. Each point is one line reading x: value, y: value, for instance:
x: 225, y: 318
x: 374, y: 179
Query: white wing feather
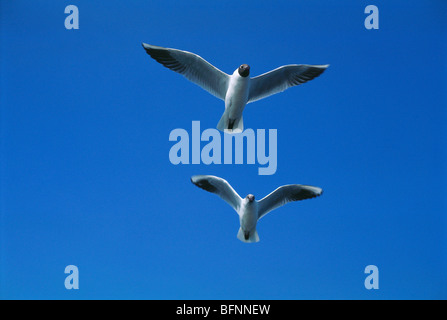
x: 286, y: 194
x: 220, y: 187
x: 282, y: 78
x: 192, y: 67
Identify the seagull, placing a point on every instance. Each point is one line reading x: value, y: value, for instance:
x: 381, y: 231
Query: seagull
x: 237, y: 89
x: 249, y: 210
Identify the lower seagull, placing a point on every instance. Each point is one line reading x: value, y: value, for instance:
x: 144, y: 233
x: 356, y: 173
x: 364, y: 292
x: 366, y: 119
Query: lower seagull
x: 249, y: 209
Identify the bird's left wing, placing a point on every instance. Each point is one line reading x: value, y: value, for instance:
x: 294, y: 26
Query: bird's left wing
x: 192, y: 67
x: 286, y: 194
x: 220, y: 187
x: 282, y: 78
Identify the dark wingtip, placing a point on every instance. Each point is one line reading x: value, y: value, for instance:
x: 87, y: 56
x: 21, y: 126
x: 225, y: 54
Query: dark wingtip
x: 145, y: 48
x: 204, y: 184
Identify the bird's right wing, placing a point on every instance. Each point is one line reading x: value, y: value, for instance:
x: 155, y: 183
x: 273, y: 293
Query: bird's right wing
x: 282, y: 78
x: 192, y: 67
x: 286, y: 194
x: 220, y: 187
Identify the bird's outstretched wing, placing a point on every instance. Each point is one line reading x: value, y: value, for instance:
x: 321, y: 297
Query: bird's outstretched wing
x: 282, y: 78
x: 286, y: 194
x: 220, y: 187
x: 192, y: 67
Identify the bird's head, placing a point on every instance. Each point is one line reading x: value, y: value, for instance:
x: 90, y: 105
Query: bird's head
x: 250, y: 198
x: 244, y: 70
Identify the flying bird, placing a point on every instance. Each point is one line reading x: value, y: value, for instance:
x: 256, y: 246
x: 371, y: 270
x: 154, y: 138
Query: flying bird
x: 237, y: 89
x: 249, y: 209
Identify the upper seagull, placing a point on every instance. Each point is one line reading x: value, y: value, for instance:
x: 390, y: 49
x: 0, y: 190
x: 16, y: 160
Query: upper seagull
x: 249, y: 210
x: 238, y: 89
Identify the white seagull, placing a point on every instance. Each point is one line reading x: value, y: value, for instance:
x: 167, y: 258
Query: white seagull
x: 249, y: 210
x: 238, y: 89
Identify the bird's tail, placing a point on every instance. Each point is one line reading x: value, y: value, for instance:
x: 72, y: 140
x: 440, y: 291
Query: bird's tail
x: 248, y: 238
x: 228, y: 125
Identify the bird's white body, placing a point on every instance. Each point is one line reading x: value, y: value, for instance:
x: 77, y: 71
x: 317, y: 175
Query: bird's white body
x: 248, y: 218
x: 235, y: 101
x: 250, y: 210
x: 237, y: 89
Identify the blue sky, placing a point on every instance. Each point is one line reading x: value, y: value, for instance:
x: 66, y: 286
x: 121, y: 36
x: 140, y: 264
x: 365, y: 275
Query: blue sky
x: 86, y: 178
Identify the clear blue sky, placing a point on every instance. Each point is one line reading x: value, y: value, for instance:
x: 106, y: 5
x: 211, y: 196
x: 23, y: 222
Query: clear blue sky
x: 86, y: 177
